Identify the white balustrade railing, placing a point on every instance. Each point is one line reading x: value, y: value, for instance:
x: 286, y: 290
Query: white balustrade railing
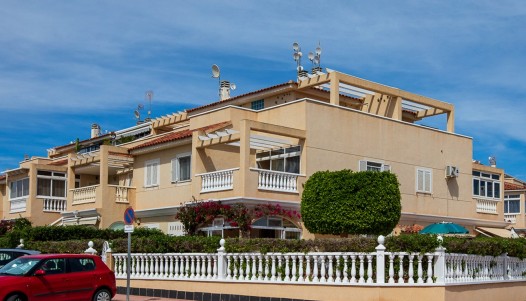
x: 277, y: 180
x: 217, y: 180
x: 17, y: 205
x: 511, y: 217
x: 55, y: 205
x: 487, y: 206
x: 121, y: 193
x: 351, y: 268
x: 87, y: 194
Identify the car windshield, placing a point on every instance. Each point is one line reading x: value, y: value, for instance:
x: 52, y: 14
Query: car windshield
x: 19, y: 266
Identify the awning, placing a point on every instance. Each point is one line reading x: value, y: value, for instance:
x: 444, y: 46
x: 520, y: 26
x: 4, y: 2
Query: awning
x: 494, y: 232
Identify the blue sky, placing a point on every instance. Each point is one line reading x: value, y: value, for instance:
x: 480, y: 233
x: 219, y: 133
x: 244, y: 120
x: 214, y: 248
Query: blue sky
x: 67, y: 64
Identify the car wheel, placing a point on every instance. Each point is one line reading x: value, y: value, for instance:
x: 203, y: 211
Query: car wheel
x: 102, y: 295
x: 16, y: 297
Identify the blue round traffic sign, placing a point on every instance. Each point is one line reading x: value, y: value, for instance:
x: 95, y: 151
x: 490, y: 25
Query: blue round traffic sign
x: 129, y: 216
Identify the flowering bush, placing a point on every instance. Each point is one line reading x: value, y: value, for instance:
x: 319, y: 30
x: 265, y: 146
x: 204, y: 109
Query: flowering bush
x: 196, y: 214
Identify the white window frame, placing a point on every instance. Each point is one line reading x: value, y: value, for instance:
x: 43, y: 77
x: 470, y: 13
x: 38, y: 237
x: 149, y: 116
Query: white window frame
x: 150, y: 167
x: 23, y: 196
x: 285, y: 155
x: 489, y: 179
x: 511, y: 197
x: 426, y: 173
x: 368, y: 165
x: 54, y: 177
x: 176, y: 168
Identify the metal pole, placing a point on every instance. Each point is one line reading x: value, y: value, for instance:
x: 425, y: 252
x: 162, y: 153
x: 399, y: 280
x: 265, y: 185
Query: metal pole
x: 128, y: 262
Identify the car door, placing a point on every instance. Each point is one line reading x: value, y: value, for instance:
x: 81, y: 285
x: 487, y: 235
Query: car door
x: 81, y: 277
x: 52, y: 284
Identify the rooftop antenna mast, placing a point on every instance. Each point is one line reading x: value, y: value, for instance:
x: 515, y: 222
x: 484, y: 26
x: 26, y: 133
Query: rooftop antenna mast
x: 224, y: 86
x: 315, y: 59
x: 297, y: 57
x: 148, y: 96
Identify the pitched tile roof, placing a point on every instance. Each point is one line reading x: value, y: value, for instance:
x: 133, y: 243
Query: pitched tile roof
x: 512, y: 186
x: 164, y: 139
x: 181, y: 135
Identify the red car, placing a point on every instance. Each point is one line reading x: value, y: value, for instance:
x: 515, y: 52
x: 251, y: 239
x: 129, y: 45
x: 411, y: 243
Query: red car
x: 57, y: 277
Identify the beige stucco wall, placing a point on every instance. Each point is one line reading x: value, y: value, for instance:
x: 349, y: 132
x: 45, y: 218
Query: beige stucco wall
x: 512, y: 291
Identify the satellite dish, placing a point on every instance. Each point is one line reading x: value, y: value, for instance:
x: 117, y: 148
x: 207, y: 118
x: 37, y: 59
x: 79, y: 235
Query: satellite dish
x: 296, y: 46
x: 318, y: 50
x: 215, y: 71
x: 137, y: 114
x: 300, y: 68
x: 311, y: 56
x: 232, y: 86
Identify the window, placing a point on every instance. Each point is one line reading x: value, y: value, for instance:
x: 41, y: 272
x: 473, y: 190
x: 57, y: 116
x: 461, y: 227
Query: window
x: 181, y: 168
x: 19, y: 188
x: 152, y: 173
x: 280, y: 159
x: 257, y: 104
x: 51, y: 184
x: 512, y: 203
x: 486, y: 185
x: 80, y: 265
x: 424, y: 180
x: 373, y: 166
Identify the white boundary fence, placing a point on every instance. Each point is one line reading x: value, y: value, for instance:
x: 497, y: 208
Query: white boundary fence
x: 344, y: 268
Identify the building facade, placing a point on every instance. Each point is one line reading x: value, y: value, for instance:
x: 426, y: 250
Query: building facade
x: 260, y: 148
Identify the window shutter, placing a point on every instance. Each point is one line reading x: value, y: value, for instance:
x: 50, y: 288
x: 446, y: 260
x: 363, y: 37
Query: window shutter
x: 174, y: 170
x: 427, y: 181
x: 362, y: 166
x: 155, y: 170
x: 420, y: 180
x: 386, y: 167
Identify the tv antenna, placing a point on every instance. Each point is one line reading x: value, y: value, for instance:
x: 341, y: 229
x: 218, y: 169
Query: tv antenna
x: 224, y: 86
x: 297, y: 57
x: 314, y: 57
x: 148, y: 95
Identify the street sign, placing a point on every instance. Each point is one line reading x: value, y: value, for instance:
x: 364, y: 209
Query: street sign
x: 128, y: 228
x: 129, y: 216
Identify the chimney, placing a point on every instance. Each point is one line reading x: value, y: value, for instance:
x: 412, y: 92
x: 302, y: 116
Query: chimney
x: 225, y: 90
x: 95, y: 130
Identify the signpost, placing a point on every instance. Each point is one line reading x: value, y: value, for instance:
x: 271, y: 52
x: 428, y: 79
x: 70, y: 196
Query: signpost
x: 129, y: 218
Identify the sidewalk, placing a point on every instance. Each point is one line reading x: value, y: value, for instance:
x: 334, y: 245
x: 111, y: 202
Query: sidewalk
x: 120, y: 297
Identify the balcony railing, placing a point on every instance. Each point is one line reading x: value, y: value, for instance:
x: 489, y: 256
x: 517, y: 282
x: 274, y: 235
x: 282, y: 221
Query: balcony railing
x: 18, y: 205
x: 511, y: 217
x: 121, y: 193
x: 87, y: 194
x: 55, y: 205
x: 217, y: 180
x: 487, y: 206
x: 277, y: 180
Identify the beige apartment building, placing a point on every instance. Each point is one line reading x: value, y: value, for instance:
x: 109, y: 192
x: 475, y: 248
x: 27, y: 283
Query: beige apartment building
x: 260, y: 148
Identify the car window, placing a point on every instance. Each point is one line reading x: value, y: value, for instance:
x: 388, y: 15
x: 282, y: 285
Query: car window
x: 80, y: 264
x: 53, y: 266
x: 19, y: 266
x: 5, y: 257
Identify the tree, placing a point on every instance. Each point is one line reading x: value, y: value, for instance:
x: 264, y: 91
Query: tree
x: 343, y: 202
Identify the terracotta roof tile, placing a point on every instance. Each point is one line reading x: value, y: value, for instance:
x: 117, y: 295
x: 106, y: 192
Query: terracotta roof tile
x: 181, y: 135
x: 511, y: 186
x: 164, y: 139
x: 2, y: 177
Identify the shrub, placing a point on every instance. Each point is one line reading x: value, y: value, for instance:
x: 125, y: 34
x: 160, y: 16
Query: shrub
x: 343, y: 202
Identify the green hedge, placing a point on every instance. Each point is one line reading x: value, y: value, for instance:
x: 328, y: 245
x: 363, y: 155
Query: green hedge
x: 343, y: 202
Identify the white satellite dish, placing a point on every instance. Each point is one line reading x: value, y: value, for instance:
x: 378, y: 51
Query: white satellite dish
x: 137, y: 114
x: 318, y: 50
x: 215, y: 71
x: 296, y: 46
x: 311, y: 56
x: 232, y: 86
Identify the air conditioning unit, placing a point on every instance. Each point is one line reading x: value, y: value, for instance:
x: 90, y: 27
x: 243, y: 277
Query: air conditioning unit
x: 452, y: 171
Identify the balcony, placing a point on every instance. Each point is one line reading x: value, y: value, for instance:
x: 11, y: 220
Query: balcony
x: 18, y: 205
x: 88, y: 194
x: 277, y: 180
x: 217, y: 180
x: 55, y: 205
x: 511, y: 217
x: 83, y: 195
x: 121, y: 194
x: 487, y: 206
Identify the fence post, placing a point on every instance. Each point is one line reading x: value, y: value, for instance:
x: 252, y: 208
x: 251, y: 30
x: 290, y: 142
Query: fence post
x: 221, y: 264
x: 505, y: 267
x: 440, y: 262
x: 90, y: 249
x: 380, y: 260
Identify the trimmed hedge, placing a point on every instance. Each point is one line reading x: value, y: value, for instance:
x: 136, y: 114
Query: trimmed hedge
x: 343, y: 202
